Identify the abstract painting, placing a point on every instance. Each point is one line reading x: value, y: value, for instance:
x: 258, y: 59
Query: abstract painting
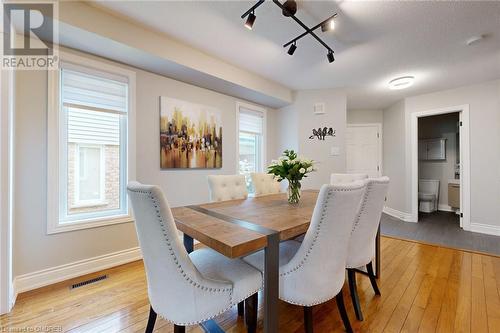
x: 190, y: 135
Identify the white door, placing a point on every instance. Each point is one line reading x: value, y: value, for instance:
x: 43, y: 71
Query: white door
x: 364, y: 149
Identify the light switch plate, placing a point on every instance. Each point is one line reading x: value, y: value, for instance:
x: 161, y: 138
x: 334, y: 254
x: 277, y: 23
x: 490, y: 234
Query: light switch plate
x: 335, y: 151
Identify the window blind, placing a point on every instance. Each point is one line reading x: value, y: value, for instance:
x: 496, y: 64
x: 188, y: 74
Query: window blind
x: 85, y: 90
x: 251, y: 121
x: 93, y: 127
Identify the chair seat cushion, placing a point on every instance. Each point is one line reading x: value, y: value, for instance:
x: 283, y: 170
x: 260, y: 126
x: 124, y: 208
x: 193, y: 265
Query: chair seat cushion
x: 246, y: 280
x: 287, y: 251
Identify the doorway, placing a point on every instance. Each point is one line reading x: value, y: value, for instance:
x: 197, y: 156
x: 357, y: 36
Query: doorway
x: 364, y: 149
x: 439, y: 170
x: 431, y: 148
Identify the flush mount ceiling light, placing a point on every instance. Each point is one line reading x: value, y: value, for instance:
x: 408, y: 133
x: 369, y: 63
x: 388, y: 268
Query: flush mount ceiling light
x: 289, y: 9
x: 401, y: 82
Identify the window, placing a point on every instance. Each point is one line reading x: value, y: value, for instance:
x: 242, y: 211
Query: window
x: 90, y: 176
x: 89, y: 170
x: 251, y: 124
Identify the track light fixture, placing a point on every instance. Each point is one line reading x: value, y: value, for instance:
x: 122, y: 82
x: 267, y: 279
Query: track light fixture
x: 250, y: 20
x: 328, y: 25
x: 330, y: 57
x: 292, y: 48
x: 289, y: 9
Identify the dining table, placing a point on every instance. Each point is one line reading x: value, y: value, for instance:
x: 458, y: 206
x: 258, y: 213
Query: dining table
x: 237, y: 228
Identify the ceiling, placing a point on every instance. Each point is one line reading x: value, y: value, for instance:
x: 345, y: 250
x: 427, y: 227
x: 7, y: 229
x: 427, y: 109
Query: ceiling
x: 374, y: 41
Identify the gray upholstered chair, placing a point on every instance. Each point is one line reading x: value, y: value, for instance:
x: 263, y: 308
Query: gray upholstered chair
x: 362, y: 244
x: 313, y: 272
x: 264, y: 184
x: 227, y: 187
x: 343, y: 178
x: 185, y: 289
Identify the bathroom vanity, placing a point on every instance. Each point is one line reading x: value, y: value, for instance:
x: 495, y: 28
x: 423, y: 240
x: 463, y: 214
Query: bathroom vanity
x: 454, y: 193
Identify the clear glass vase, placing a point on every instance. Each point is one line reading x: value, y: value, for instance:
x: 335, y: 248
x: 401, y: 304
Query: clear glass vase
x: 293, y: 191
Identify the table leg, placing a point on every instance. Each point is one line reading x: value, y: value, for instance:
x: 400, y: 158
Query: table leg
x: 271, y: 283
x: 188, y: 243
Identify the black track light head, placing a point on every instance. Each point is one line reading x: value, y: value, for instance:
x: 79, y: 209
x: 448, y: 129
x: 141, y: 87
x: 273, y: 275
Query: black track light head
x: 292, y: 49
x: 328, y: 25
x: 250, y: 21
x: 330, y: 57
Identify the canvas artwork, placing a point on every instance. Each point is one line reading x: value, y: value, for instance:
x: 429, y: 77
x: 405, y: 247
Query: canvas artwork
x: 190, y: 135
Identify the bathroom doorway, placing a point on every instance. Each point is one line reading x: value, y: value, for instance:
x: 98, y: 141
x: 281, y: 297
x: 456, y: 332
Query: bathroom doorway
x: 440, y: 167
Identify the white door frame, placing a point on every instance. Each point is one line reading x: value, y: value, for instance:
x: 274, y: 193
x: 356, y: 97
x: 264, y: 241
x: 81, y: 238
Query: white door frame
x: 7, y: 296
x: 464, y: 160
x: 380, y: 142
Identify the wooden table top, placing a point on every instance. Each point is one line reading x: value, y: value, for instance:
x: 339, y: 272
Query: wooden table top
x: 237, y: 228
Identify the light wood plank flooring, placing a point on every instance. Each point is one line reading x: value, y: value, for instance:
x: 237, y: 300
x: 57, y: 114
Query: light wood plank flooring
x: 424, y: 289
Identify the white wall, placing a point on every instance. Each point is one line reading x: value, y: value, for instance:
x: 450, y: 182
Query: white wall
x: 484, y: 103
x: 35, y: 250
x: 183, y: 187
x: 442, y: 126
x: 484, y: 106
x: 365, y: 116
x: 394, y: 155
x: 296, y: 123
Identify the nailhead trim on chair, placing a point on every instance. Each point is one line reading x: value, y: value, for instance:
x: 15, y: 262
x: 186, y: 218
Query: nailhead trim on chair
x: 369, y: 188
x: 184, y: 274
x: 362, y: 208
x: 316, y: 235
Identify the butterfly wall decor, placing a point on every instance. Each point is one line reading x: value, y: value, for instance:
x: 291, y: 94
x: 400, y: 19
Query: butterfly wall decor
x: 322, y: 133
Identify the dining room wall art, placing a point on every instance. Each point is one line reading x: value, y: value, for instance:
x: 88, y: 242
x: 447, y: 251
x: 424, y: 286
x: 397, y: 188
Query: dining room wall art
x: 190, y: 135
x: 322, y: 133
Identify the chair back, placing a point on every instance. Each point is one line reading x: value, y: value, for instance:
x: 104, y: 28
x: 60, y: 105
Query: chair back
x: 317, y: 271
x: 364, y: 231
x: 264, y: 184
x: 342, y: 178
x: 176, y: 288
x: 227, y: 187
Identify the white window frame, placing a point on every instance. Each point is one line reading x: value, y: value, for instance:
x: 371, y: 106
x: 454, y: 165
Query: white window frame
x: 55, y: 151
x: 102, y: 169
x: 256, y: 108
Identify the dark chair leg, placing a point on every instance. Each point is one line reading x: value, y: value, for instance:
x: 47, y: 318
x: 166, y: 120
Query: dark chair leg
x: 179, y: 329
x: 151, y: 320
x: 373, y: 280
x: 308, y: 319
x: 351, y: 274
x: 343, y: 313
x: 251, y: 306
x: 241, y: 308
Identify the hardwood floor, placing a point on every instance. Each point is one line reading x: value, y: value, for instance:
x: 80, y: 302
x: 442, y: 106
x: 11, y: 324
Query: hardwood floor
x: 424, y: 289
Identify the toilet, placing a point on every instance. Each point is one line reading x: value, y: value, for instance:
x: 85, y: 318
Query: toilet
x: 428, y: 195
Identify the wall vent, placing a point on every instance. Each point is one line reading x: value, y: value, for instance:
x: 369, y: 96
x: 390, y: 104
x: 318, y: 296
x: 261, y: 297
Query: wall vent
x: 87, y: 282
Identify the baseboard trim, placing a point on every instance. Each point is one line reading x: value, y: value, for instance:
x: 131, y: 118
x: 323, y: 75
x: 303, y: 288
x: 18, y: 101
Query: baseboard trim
x: 485, y: 229
x: 445, y: 208
x: 398, y: 214
x: 64, y: 272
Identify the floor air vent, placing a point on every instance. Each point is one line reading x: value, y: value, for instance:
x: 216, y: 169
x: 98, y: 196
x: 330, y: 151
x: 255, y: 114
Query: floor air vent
x: 87, y: 282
